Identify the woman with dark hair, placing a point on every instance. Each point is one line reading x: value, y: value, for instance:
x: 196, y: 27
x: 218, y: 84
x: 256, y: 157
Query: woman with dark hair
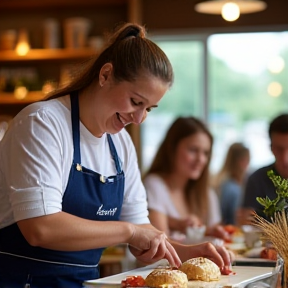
x: 177, y: 182
x: 69, y: 179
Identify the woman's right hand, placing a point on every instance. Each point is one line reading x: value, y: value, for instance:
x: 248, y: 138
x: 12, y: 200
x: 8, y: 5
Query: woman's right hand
x: 182, y: 224
x: 219, y: 232
x: 149, y: 245
x: 193, y: 221
x: 217, y: 253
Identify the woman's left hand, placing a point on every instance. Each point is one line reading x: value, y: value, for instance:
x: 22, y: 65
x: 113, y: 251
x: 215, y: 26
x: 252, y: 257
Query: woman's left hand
x: 218, y: 231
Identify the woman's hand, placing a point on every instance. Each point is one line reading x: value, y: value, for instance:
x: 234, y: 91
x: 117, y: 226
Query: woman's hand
x: 219, y: 232
x: 244, y: 216
x: 218, y: 254
x: 149, y: 245
x: 182, y: 224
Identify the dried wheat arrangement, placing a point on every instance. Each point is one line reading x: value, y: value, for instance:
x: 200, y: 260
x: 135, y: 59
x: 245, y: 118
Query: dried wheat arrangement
x: 276, y: 232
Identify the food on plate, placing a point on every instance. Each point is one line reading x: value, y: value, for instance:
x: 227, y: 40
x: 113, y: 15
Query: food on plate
x: 160, y: 277
x: 231, y: 229
x: 254, y: 252
x: 227, y: 271
x: 133, y: 281
x: 201, y: 268
x: 269, y: 253
x: 236, y: 235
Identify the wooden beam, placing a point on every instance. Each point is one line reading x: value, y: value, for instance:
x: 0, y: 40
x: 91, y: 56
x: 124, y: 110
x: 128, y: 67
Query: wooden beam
x: 135, y: 16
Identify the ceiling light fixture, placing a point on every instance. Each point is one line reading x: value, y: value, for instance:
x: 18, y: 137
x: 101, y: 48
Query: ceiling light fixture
x: 230, y: 9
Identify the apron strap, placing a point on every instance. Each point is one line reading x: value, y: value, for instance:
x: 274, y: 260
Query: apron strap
x: 76, y: 134
x: 114, y: 154
x: 75, y: 126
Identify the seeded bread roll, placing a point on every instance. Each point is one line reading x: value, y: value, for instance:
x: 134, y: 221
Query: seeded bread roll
x: 166, y: 276
x: 201, y: 269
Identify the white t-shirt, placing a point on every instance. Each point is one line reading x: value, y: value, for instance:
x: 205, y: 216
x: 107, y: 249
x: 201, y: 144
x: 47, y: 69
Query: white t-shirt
x: 36, y: 154
x: 159, y: 200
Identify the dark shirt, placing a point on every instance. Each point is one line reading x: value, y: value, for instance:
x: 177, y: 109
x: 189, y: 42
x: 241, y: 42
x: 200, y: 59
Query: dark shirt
x: 259, y: 185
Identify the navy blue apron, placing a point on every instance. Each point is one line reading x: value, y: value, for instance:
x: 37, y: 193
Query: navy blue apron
x: 88, y: 195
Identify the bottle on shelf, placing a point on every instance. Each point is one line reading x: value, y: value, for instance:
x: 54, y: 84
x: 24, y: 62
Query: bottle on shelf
x: 51, y: 34
x: 8, y: 39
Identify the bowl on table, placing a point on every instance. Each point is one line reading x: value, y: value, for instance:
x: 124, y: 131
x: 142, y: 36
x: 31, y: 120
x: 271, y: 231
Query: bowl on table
x: 195, y: 233
x: 252, y: 236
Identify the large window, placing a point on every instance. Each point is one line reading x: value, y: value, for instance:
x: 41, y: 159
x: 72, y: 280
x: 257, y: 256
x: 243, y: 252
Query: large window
x: 245, y: 87
x: 184, y: 98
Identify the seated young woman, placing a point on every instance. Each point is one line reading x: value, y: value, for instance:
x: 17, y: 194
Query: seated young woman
x: 230, y: 180
x: 177, y: 182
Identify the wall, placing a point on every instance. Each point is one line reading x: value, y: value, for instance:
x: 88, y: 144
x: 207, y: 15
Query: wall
x: 180, y: 14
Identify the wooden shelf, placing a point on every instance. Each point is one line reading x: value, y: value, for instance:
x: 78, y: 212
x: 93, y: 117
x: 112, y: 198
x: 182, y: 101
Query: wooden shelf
x: 32, y: 96
x: 59, y: 3
x: 47, y: 54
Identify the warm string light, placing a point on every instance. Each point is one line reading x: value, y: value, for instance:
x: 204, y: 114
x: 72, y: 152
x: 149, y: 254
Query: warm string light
x: 23, y: 46
x: 20, y: 92
x: 275, y: 66
x: 275, y: 89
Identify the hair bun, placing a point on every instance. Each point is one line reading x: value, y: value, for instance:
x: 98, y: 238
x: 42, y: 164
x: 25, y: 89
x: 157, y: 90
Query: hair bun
x: 128, y: 30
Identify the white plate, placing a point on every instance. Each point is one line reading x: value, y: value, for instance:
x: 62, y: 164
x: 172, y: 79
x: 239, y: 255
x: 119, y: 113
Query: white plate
x: 236, y: 247
x: 243, y: 276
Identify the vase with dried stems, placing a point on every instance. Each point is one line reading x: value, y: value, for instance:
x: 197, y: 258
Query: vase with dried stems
x: 276, y: 230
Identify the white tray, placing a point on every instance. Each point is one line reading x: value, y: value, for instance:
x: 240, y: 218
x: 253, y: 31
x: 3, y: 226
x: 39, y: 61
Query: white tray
x: 244, y: 275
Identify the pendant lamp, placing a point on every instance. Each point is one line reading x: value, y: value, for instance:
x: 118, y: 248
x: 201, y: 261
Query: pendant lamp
x: 230, y: 9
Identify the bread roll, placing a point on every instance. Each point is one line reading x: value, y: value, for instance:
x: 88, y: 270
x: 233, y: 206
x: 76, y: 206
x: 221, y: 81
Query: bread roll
x: 166, y: 276
x: 201, y: 269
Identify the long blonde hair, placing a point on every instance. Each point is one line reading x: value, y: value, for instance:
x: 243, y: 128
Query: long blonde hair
x: 231, y: 168
x: 196, y: 191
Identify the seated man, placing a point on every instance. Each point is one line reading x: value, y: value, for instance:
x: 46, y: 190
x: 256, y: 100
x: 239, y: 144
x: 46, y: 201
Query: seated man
x: 259, y: 184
